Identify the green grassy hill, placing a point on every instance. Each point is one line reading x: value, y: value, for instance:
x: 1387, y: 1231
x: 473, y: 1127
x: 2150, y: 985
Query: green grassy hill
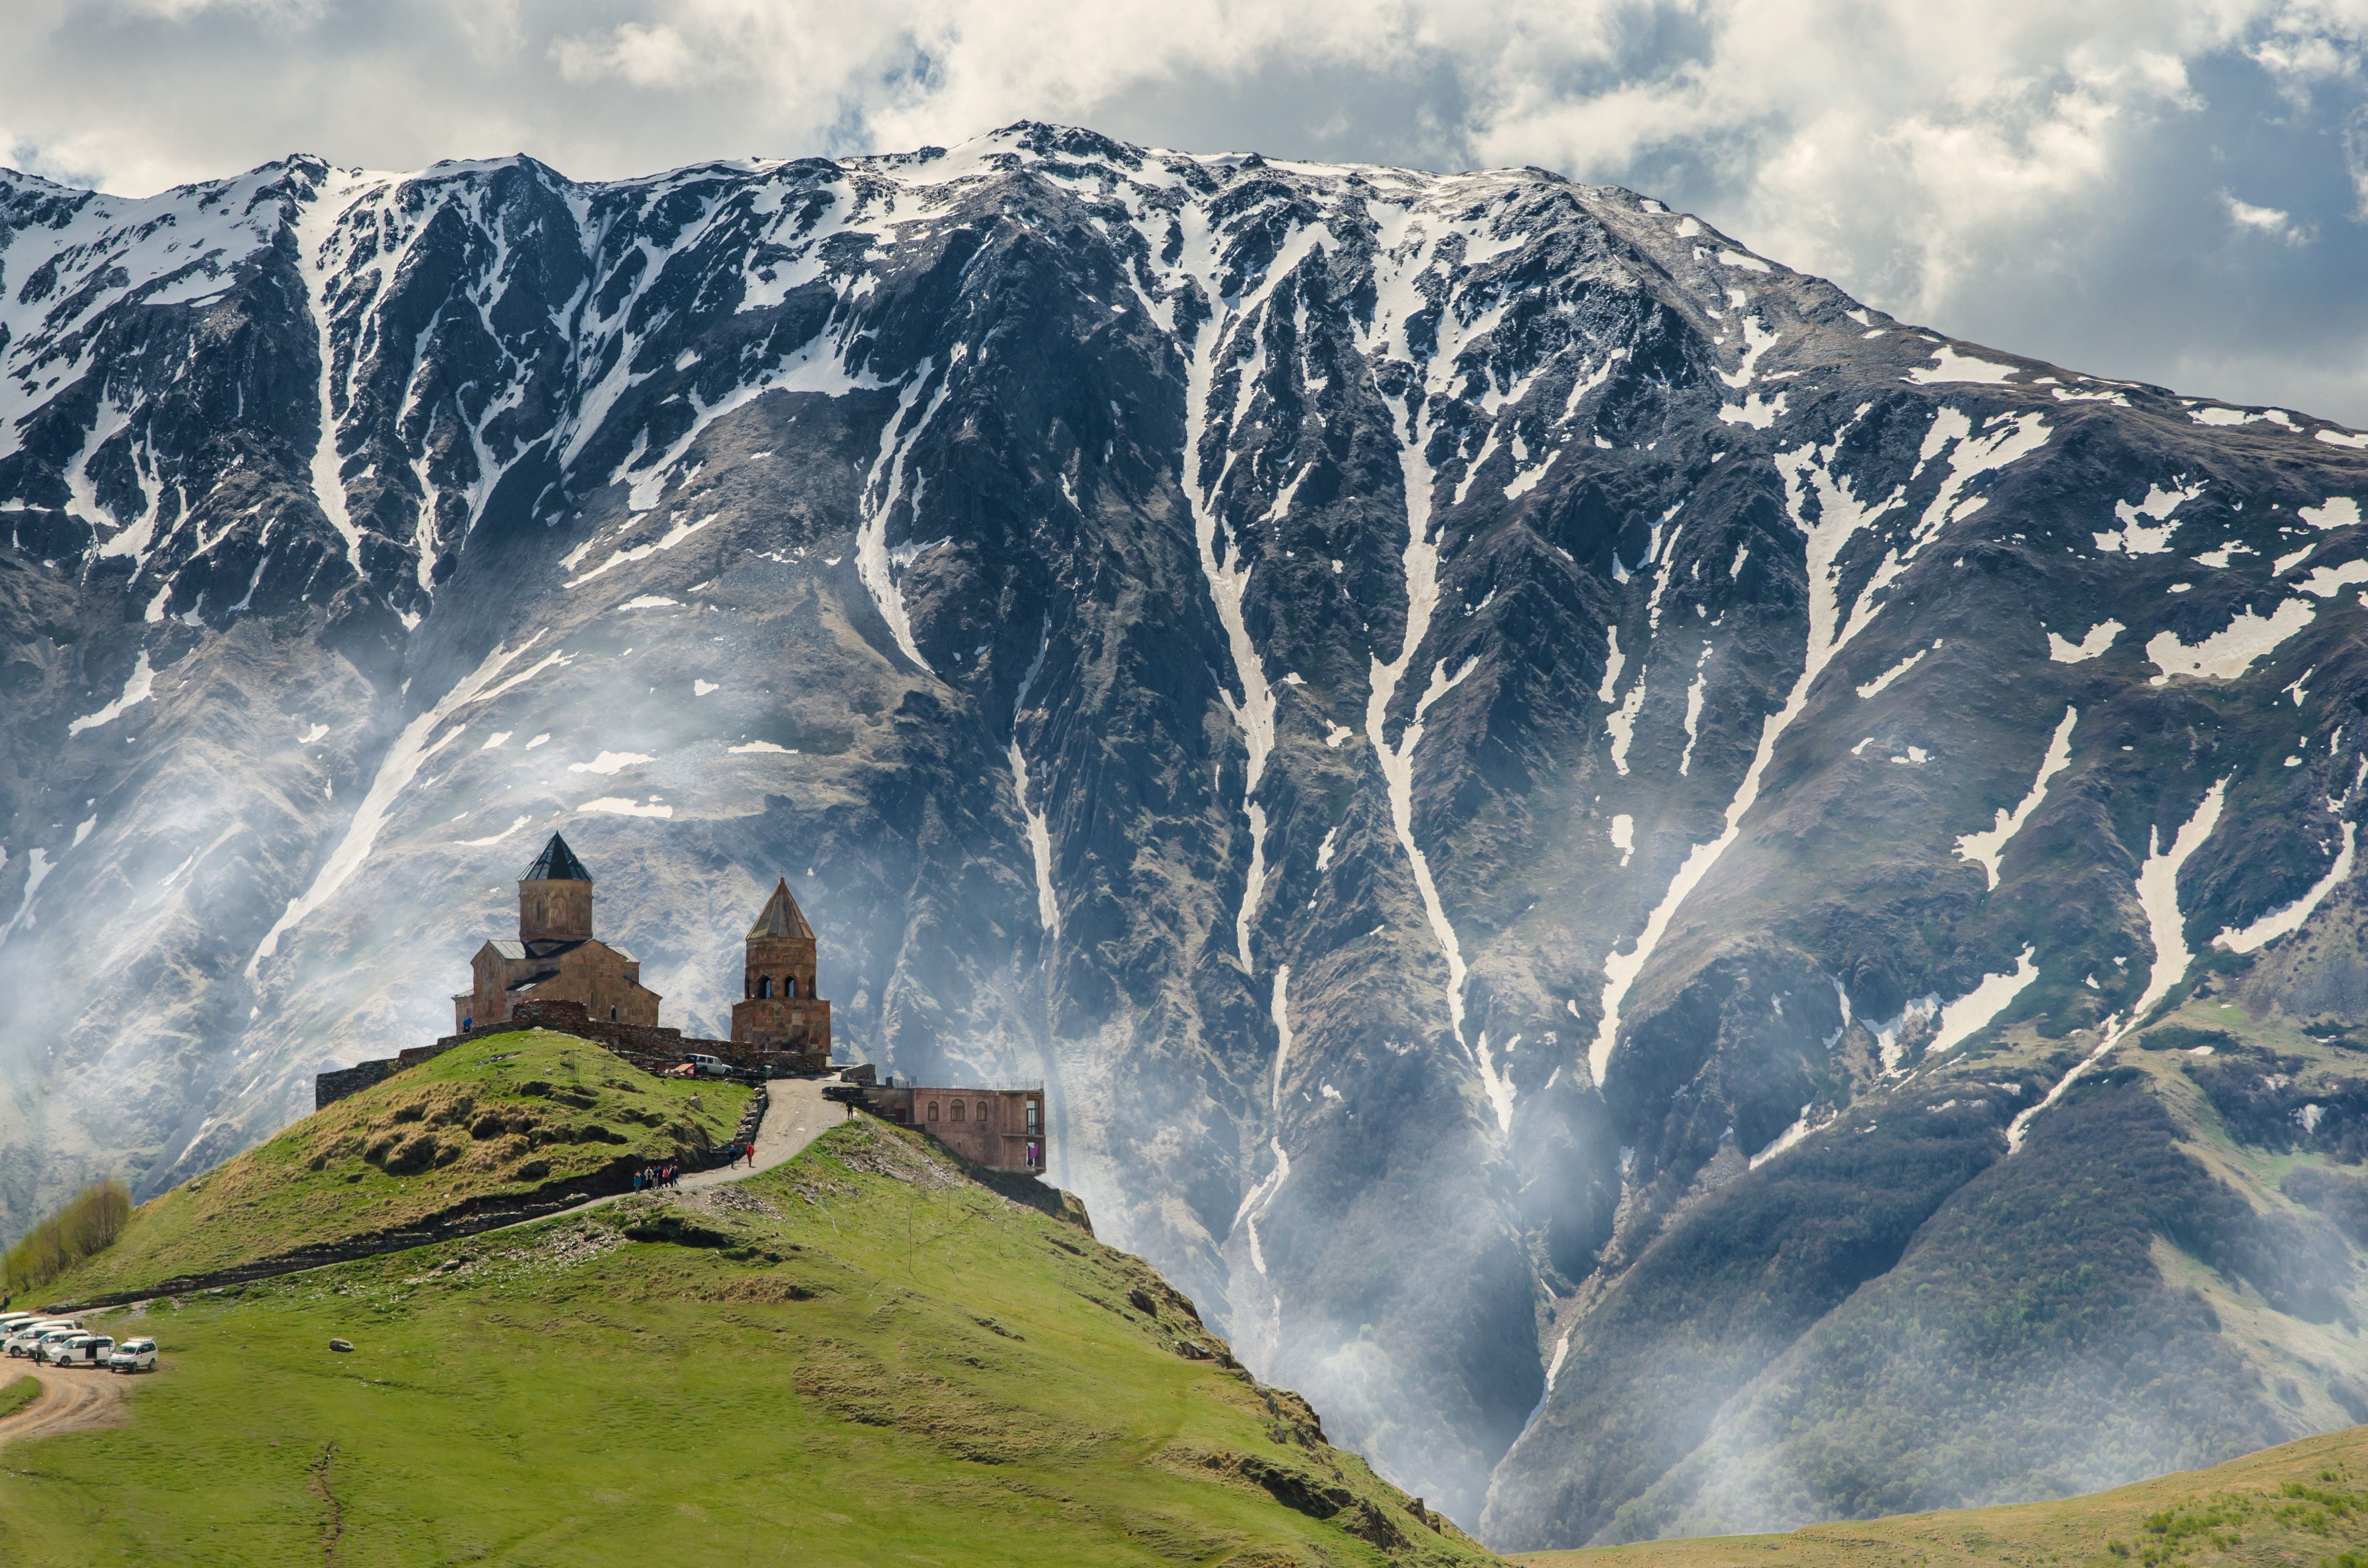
x: 859, y: 1357
x: 2302, y: 1504
x: 497, y: 1119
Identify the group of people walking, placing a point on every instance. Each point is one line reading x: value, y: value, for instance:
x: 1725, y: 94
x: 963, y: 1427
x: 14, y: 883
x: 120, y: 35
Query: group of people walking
x: 670, y: 1174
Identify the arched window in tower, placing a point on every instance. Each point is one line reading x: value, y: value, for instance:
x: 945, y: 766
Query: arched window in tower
x: 765, y: 987
x: 790, y: 986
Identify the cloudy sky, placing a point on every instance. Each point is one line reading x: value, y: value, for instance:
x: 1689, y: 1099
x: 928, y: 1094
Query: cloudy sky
x: 2172, y: 190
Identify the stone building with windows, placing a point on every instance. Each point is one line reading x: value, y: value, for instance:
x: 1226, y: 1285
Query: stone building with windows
x: 778, y: 1010
x: 1000, y: 1128
x: 555, y: 957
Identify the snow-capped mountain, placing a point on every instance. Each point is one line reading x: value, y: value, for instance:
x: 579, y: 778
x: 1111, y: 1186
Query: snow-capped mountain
x: 1578, y: 824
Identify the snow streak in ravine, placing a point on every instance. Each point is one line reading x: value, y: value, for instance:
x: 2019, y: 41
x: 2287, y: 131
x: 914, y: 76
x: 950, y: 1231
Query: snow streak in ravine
x: 317, y: 227
x: 1039, y: 836
x: 1230, y: 322
x: 1811, y: 485
x: 2157, y: 890
x: 1399, y: 266
x: 1988, y: 847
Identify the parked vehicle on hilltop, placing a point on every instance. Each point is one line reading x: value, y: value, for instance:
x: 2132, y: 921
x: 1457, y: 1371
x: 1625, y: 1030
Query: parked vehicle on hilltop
x: 51, y: 1341
x: 706, y: 1066
x: 82, y: 1350
x: 133, y: 1356
x: 22, y: 1342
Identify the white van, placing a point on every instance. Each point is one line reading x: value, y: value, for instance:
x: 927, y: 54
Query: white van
x: 22, y: 1340
x: 82, y: 1350
x: 133, y: 1356
x: 51, y: 1341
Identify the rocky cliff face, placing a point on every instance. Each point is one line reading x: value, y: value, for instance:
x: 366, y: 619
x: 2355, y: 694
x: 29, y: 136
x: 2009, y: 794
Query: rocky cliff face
x: 1547, y: 794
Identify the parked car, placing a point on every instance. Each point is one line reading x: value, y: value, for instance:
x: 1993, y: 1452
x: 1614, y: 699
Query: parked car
x: 46, y: 1347
x: 133, y: 1356
x: 22, y: 1342
x: 706, y: 1066
x: 82, y: 1350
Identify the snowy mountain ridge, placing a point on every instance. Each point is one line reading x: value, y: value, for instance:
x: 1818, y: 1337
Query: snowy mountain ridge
x: 1471, y: 727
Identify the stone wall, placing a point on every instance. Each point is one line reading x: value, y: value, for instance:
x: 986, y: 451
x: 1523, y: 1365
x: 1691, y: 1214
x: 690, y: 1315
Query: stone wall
x: 332, y: 1086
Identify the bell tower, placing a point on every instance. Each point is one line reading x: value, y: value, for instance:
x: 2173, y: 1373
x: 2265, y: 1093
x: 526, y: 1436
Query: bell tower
x: 778, y: 1010
x: 556, y: 897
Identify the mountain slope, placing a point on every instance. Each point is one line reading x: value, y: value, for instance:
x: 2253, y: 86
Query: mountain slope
x: 2300, y: 1503
x: 1444, y: 715
x: 857, y: 1356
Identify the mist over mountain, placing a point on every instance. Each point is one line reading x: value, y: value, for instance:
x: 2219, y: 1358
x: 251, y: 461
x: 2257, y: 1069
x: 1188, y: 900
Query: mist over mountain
x: 1580, y: 827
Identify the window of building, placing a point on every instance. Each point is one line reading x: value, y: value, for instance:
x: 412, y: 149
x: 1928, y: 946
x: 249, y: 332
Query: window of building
x: 790, y: 986
x: 933, y: 1110
x: 957, y: 1110
x: 765, y: 988
x: 982, y: 1110
x: 1035, y: 1117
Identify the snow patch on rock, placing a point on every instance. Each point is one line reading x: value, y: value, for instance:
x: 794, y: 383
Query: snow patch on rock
x: 2230, y: 652
x: 1988, y: 847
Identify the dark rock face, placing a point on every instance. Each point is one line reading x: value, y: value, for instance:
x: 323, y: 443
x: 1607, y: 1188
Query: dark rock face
x: 1472, y: 731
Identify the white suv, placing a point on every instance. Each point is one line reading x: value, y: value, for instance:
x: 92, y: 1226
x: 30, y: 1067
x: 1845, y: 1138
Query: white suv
x: 133, y: 1356
x: 708, y: 1066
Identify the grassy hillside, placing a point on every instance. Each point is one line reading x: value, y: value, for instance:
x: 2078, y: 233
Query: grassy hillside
x: 859, y: 1357
x: 500, y: 1117
x: 2300, y: 1506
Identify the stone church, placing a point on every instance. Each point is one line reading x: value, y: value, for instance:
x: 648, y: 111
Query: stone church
x: 556, y: 958
x: 778, y: 1010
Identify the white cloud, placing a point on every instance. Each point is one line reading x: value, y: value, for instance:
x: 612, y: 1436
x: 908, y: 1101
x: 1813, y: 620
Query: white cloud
x: 638, y: 55
x: 1995, y: 169
x: 2274, y: 222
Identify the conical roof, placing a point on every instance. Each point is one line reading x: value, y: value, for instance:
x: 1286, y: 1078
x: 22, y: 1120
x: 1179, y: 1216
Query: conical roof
x: 782, y: 918
x: 557, y: 863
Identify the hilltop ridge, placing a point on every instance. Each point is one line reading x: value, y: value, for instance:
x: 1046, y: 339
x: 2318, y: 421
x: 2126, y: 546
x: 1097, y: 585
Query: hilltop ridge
x: 491, y: 1131
x: 858, y: 1354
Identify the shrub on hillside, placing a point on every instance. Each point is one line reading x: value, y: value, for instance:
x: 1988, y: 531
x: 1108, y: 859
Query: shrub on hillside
x: 2277, y: 1103
x: 88, y: 1223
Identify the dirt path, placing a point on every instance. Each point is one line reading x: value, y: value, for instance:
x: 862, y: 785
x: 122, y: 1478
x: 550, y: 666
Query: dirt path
x: 795, y: 1115
x: 77, y: 1401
